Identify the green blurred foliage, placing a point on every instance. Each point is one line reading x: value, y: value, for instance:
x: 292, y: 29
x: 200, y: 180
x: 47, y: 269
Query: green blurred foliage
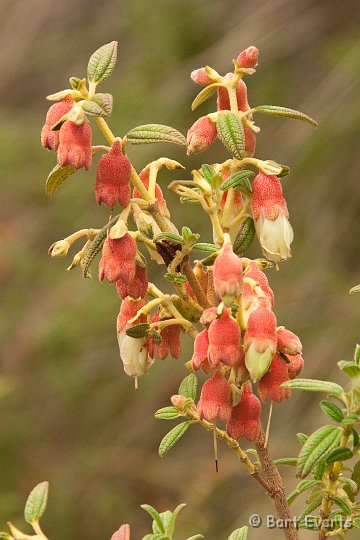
x: 68, y: 413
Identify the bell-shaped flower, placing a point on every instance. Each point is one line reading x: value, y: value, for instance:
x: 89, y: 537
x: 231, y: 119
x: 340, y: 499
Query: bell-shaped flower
x: 113, y: 178
x: 75, y: 145
x: 201, y: 135
x: 224, y: 341
x: 215, y: 399
x: 260, y: 342
x: 254, y: 272
x: 137, y: 288
x: 228, y: 275
x: 269, y: 384
x: 170, y: 340
x: 245, y: 417
x: 49, y: 138
x: 288, y: 342
x: 295, y: 366
x: 200, y: 354
x: 118, y: 260
x: 271, y: 218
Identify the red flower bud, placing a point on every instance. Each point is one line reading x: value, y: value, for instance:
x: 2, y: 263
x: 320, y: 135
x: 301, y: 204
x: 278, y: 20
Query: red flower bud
x: 113, y: 178
x: 288, y: 342
x: 178, y: 401
x: 215, y: 399
x: 223, y: 101
x: 199, y: 76
x: 295, y: 366
x: 224, y: 341
x: 118, y: 260
x: 50, y: 139
x: 269, y: 385
x: 137, y: 288
x: 122, y: 534
x: 260, y: 342
x: 201, y: 346
x: 245, y: 417
x: 201, y: 135
x: 228, y: 275
x: 75, y: 145
x: 248, y: 58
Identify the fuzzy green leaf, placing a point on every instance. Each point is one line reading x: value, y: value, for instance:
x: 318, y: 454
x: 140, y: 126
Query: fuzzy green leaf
x: 98, y: 105
x: 274, y: 110
x: 351, y: 369
x: 303, y: 486
x: 292, y: 462
x: 95, y: 247
x: 339, y: 454
x: 204, y: 247
x: 343, y: 505
x: 155, y: 515
x: 188, y: 387
x: 317, y: 448
x: 357, y: 354
x: 56, y: 177
x: 167, y: 413
x: 138, y: 331
x: 350, y: 483
x: 332, y: 410
x: 170, y: 527
x: 172, y: 438
x: 36, y: 502
x: 351, y: 418
x: 302, y: 438
x: 239, y: 534
x: 245, y: 236
x: 239, y: 180
x: 102, y: 62
x: 171, y: 237
x: 154, y: 133
x: 204, y: 95
x: 231, y: 133
x: 313, y: 385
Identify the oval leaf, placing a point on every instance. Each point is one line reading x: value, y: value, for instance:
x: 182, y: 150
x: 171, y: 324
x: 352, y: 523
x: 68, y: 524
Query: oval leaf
x: 204, y: 247
x: 56, y: 177
x: 167, y: 413
x: 98, y: 105
x: 204, y: 95
x: 155, y: 515
x: 95, y: 247
x: 313, y: 385
x: 102, y: 62
x: 36, y: 503
x: 339, y: 454
x: 239, y: 534
x: 188, y: 387
x: 292, y: 462
x: 138, y: 331
x: 332, y: 410
x: 231, y: 133
x: 317, y: 448
x: 274, y: 110
x: 172, y: 438
x: 153, y: 133
x: 239, y: 180
x: 245, y: 236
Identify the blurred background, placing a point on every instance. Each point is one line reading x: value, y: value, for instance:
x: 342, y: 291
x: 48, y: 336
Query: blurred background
x: 68, y: 412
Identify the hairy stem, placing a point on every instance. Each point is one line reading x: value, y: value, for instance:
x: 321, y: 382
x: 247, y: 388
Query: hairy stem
x: 201, y: 297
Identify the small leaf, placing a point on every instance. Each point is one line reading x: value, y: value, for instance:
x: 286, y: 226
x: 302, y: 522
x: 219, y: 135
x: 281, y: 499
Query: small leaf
x: 356, y: 438
x: 56, y: 177
x: 302, y: 438
x: 339, y: 454
x: 350, y: 483
x: 285, y: 171
x: 167, y: 413
x: 98, y: 105
x: 274, y: 110
x: 165, y: 518
x: 351, y: 369
x: 74, y: 82
x: 309, y: 509
x: 292, y: 462
x: 303, y: 486
x: 320, y: 470
x: 36, y: 502
x: 239, y: 180
x: 204, y: 247
x: 138, y: 331
x: 169, y: 528
x: 58, y: 96
x: 357, y: 354
x: 155, y: 515
x: 239, y: 534
x: 343, y: 505
x: 204, y: 95
x: 231, y: 133
x: 313, y: 385
x: 172, y: 438
x: 188, y: 387
x: 153, y: 133
x: 102, y: 62
x: 332, y: 410
x: 208, y: 172
x: 245, y: 236
x: 317, y: 448
x: 95, y: 247
x: 351, y: 418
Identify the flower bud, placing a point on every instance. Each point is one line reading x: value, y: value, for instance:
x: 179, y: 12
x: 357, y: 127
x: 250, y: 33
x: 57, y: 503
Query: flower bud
x: 271, y: 218
x: 224, y: 341
x: 260, y: 342
x: 75, y: 145
x: 269, y: 384
x: 245, y: 417
x: 113, y: 178
x: 288, y: 342
x: 223, y: 101
x: 49, y: 138
x: 201, y: 346
x: 295, y: 366
x: 208, y: 316
x: 199, y: 76
x: 59, y: 248
x: 118, y: 260
x: 201, y: 135
x: 254, y: 272
x: 228, y: 275
x: 215, y: 399
x: 248, y: 58
x: 122, y: 534
x: 134, y: 354
x: 178, y: 401
x: 137, y: 288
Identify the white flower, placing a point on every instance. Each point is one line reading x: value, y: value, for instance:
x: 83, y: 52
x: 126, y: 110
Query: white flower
x: 134, y: 354
x: 275, y: 236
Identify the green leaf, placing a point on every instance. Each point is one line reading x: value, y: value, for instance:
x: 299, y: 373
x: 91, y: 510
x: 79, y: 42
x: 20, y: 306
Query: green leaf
x: 5, y: 536
x: 357, y: 354
x: 356, y: 474
x: 303, y: 486
x: 239, y: 534
x: 351, y: 418
x: 188, y: 386
x: 102, y: 62
x: 356, y: 438
x: 231, y: 133
x: 204, y: 247
x: 274, y: 110
x: 239, y: 180
x: 165, y: 518
x: 320, y: 470
x: 153, y: 133
x: 204, y: 95
x: 245, y: 236
x: 138, y: 330
x: 36, y: 502
x: 302, y: 438
x: 208, y: 172
x: 332, y: 410
x: 313, y: 385
x: 339, y: 454
x: 285, y: 171
x: 74, y: 82
x: 171, y: 237
x: 56, y: 177
x: 351, y: 369
x: 98, y: 105
x: 155, y: 515
x: 343, y: 505
x: 317, y: 448
x: 95, y: 247
x: 172, y: 438
x: 309, y: 509
x: 350, y: 483
x: 169, y: 529
x: 167, y: 413
x: 292, y: 462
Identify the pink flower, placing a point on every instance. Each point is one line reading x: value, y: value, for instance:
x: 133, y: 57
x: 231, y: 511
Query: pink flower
x: 128, y: 310
x: 250, y: 142
x: 245, y: 417
x: 269, y: 384
x: 75, y: 145
x: 271, y: 217
x: 118, y: 260
x: 113, y: 178
x: 50, y: 139
x: 295, y: 366
x: 228, y: 275
x: 223, y: 102
x: 201, y: 135
x: 199, y: 76
x: 170, y: 340
x: 122, y: 534
x: 254, y: 272
x: 201, y: 346
x: 288, y: 342
x: 248, y: 58
x: 144, y: 177
x: 224, y: 341
x: 215, y: 399
x: 208, y: 316
x: 137, y: 288
x: 260, y: 342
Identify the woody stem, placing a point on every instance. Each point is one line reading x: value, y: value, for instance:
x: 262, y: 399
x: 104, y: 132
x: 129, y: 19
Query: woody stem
x: 186, y: 269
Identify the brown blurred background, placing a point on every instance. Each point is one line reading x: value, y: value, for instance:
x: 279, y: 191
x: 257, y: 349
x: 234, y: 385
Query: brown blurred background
x: 68, y: 412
